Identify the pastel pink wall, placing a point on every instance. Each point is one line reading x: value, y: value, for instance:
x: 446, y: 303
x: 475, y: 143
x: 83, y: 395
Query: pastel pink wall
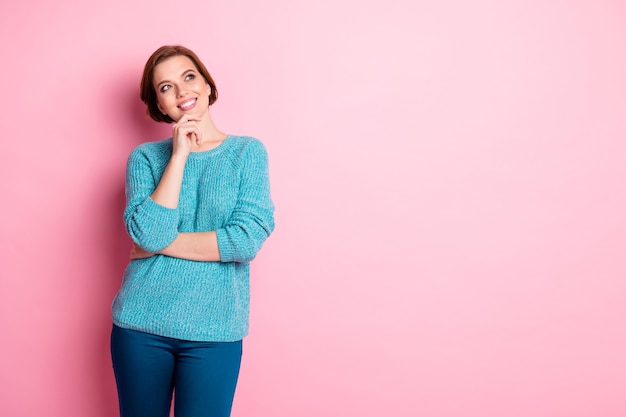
x: 450, y: 183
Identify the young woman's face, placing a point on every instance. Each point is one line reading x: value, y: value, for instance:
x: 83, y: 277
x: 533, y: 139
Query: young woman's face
x: 180, y: 88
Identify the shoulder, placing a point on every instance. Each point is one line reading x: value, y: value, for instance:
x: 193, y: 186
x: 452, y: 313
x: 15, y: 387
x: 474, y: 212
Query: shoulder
x: 247, y: 145
x: 245, y: 141
x: 247, y: 153
x: 161, y: 149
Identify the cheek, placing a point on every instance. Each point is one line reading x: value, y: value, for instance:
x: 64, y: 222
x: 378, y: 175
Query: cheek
x: 161, y: 106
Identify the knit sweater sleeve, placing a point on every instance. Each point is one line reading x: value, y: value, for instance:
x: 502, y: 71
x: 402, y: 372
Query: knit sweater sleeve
x: 152, y: 226
x: 252, y: 220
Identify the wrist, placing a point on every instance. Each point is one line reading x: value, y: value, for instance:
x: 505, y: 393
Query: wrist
x: 179, y: 157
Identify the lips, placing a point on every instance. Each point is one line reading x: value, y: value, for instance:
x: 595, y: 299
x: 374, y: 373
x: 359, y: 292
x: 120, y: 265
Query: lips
x: 187, y: 104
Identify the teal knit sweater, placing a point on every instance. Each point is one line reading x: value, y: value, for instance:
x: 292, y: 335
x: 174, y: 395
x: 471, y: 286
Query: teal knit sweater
x: 225, y: 189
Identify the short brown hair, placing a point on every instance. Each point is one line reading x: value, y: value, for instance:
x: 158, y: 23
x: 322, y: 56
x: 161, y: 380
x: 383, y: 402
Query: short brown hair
x: 147, y: 92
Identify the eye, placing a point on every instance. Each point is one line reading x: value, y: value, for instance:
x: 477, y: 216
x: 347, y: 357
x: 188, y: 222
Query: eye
x: 190, y: 77
x: 164, y: 88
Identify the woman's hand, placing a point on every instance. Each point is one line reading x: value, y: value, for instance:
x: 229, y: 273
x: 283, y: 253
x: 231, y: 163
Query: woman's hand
x: 139, y: 253
x: 184, y: 133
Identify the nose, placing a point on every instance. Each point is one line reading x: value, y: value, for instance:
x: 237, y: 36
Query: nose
x: 181, y: 92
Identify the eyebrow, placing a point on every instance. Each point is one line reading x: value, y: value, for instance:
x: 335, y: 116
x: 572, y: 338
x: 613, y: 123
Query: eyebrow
x: 182, y: 75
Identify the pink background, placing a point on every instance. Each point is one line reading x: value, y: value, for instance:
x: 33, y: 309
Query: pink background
x: 450, y: 183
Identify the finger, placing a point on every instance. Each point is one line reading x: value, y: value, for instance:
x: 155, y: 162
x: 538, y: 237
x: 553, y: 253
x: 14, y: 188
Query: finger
x: 190, y: 131
x: 187, y: 126
x: 188, y: 118
x: 184, y: 135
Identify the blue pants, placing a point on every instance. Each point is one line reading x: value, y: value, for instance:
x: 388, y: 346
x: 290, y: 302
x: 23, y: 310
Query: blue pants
x: 149, y: 368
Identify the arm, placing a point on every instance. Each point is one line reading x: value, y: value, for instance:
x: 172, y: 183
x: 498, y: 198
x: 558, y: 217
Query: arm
x: 184, y: 132
x: 252, y: 220
x: 194, y: 246
x: 151, y: 216
x: 167, y: 192
x: 250, y: 223
x: 150, y: 225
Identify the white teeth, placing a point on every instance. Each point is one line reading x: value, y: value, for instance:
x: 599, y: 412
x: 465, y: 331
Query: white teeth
x: 187, y: 104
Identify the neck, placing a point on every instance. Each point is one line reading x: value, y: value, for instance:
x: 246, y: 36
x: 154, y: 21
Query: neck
x: 211, y: 135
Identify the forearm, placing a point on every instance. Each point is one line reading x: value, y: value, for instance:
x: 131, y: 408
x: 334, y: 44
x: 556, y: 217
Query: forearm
x: 167, y: 192
x: 194, y: 246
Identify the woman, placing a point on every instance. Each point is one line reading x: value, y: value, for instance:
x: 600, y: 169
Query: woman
x: 198, y: 210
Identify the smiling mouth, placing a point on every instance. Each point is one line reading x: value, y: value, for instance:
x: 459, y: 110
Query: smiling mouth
x: 186, y: 105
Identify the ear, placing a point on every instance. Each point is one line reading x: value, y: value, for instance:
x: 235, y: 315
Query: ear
x: 208, y: 89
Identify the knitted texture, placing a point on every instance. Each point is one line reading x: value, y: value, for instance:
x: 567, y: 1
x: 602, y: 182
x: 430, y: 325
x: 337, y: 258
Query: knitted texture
x: 225, y: 189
